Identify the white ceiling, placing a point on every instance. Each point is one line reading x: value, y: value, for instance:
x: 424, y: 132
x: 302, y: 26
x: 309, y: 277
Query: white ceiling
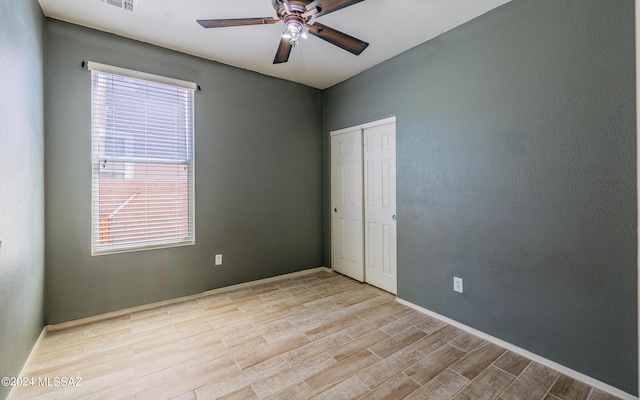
x: 390, y: 26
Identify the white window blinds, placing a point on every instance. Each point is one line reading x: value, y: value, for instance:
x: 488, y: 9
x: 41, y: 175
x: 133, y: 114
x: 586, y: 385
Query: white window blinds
x: 142, y: 135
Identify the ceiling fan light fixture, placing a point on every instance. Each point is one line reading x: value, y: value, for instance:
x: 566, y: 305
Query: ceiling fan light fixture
x: 293, y: 32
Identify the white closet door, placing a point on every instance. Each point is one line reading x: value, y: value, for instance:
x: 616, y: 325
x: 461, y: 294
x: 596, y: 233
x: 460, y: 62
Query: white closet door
x: 346, y: 204
x: 380, y: 206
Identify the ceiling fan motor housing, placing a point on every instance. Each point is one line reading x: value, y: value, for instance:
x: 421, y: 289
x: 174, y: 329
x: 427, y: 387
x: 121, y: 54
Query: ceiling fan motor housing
x: 277, y: 4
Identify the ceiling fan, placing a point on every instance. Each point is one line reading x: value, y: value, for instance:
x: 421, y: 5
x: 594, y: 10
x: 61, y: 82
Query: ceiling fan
x: 296, y: 14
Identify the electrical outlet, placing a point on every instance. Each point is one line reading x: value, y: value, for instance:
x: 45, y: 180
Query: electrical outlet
x: 218, y: 259
x: 457, y: 284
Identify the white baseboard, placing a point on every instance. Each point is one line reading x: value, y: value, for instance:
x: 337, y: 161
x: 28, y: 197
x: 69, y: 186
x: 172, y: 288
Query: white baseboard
x: 29, y: 359
x: 145, y: 307
x: 541, y: 360
x: 265, y: 280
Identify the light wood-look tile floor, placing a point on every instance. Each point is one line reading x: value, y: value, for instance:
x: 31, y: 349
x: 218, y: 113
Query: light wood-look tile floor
x: 321, y: 336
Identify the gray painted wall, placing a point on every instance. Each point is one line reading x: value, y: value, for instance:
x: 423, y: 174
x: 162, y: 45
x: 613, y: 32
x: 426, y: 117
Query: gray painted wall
x: 516, y: 156
x: 21, y: 183
x: 258, y: 179
x: 516, y: 171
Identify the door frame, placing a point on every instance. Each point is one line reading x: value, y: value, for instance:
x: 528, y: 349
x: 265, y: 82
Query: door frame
x: 361, y: 128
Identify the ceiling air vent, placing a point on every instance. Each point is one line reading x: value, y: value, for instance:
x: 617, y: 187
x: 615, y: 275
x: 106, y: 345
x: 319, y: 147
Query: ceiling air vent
x: 128, y: 5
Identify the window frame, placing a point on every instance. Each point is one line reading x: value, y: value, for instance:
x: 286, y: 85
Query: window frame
x: 130, y: 161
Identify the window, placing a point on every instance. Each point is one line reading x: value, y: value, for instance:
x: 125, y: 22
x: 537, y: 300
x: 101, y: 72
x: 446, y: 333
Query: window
x: 142, y: 134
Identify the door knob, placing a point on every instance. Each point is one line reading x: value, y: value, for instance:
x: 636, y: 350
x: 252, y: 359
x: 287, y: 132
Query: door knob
x: 335, y: 210
x: 394, y: 217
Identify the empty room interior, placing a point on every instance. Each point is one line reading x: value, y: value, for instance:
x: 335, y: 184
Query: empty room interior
x: 490, y: 252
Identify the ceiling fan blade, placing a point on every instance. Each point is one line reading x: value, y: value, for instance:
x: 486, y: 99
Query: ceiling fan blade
x: 342, y: 40
x: 284, y: 50
x: 223, y: 23
x: 328, y: 6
